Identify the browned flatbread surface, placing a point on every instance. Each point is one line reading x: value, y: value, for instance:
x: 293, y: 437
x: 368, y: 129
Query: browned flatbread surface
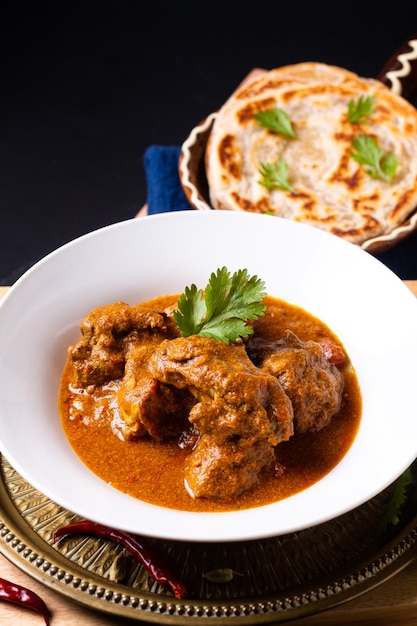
x: 332, y: 190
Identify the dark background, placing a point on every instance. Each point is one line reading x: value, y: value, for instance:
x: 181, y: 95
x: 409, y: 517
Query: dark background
x: 86, y: 87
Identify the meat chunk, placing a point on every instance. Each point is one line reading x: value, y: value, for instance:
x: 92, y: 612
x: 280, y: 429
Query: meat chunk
x: 218, y: 470
x: 235, y: 397
x: 236, y: 412
x: 148, y: 406
x: 108, y: 333
x: 312, y: 382
x: 241, y: 412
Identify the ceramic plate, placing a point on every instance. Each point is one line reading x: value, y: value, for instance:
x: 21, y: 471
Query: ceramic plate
x: 365, y: 304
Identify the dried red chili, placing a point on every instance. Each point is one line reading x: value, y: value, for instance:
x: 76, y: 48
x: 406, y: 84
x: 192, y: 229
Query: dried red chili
x: 16, y: 594
x: 136, y: 546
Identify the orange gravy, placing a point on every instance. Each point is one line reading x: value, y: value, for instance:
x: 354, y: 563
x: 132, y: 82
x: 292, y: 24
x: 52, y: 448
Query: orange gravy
x: 153, y: 471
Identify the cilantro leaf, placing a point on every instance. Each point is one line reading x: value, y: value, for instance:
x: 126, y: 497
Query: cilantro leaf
x: 397, y: 500
x: 275, y: 175
x: 191, y: 310
x: 224, y: 308
x: 359, y: 110
x: 276, y: 120
x: 380, y: 164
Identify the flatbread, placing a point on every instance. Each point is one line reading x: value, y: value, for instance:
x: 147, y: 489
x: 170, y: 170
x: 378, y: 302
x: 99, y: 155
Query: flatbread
x: 333, y: 191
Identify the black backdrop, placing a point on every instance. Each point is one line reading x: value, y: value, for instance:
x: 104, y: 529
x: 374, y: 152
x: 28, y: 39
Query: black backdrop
x: 86, y: 87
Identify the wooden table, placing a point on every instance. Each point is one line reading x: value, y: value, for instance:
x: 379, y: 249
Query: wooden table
x: 392, y: 603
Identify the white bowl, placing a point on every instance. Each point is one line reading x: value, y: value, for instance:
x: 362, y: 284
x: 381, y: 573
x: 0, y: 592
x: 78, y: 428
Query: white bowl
x: 364, y: 303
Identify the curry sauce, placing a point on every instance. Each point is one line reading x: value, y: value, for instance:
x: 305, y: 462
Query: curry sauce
x: 153, y: 471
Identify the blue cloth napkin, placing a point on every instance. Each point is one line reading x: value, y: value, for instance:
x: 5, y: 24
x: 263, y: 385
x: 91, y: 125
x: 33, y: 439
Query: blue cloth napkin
x: 164, y: 190
x: 165, y: 193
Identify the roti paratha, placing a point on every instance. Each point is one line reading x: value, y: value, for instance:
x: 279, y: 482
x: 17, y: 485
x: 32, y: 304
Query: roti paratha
x: 330, y: 189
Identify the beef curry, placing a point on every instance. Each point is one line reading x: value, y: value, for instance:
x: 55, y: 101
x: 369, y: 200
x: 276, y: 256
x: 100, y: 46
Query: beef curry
x: 196, y: 424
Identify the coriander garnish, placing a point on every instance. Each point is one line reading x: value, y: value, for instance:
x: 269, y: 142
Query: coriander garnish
x: 380, y: 164
x: 276, y: 120
x: 359, y: 110
x: 397, y: 500
x: 275, y: 175
x: 223, y: 309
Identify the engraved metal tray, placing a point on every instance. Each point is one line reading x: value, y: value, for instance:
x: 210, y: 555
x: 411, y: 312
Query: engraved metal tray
x: 273, y: 580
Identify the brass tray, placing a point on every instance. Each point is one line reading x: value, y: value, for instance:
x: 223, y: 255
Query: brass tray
x: 274, y: 580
